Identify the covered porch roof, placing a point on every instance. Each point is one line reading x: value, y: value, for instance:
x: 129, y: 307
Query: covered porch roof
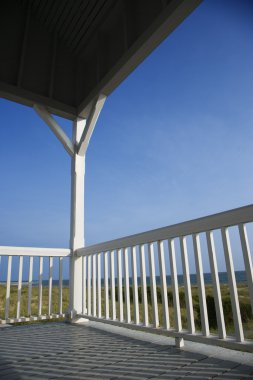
x: 62, y: 54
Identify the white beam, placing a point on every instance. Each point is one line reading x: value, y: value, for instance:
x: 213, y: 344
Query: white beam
x: 55, y: 128
x: 90, y: 124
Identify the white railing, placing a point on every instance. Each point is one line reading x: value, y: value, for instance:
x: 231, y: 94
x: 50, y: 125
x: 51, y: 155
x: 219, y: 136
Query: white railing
x: 23, y: 301
x: 165, y: 248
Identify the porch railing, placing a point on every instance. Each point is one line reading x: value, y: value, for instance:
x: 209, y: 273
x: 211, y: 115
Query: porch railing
x: 21, y: 292
x: 120, y: 291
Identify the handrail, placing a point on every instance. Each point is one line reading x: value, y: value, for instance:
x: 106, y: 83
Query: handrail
x: 32, y: 251
x: 207, y: 223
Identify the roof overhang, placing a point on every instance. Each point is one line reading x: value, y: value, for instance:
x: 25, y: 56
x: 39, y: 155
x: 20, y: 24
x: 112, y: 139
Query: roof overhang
x: 63, y: 53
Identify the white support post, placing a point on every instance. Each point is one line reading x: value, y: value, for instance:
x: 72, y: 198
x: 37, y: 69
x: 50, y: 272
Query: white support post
x: 77, y: 222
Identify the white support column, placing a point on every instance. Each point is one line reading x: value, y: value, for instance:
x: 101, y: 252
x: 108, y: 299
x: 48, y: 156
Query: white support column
x: 77, y: 222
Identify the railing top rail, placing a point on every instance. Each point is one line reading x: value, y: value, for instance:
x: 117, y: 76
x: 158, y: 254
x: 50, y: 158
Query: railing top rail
x: 31, y: 251
x: 207, y: 223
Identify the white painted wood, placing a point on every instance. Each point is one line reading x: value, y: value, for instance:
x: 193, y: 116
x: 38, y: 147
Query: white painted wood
x: 36, y: 252
x: 126, y: 286
x: 55, y: 128
x: 20, y: 271
x: 135, y: 286
x: 90, y: 124
x: 187, y: 285
x: 143, y: 285
x: 89, y: 285
x: 8, y: 288
x: 153, y: 284
x: 174, y: 285
x: 84, y: 278
x: 40, y: 285
x: 247, y: 260
x: 77, y: 223
x: 232, y: 285
x: 30, y: 281
x: 112, y: 279
x: 94, y: 286
x: 60, y: 285
x: 99, y: 284
x: 163, y: 282
x: 212, y: 222
x: 120, y: 294
x: 50, y: 281
x: 216, y: 285
x: 201, y: 285
x: 106, y: 289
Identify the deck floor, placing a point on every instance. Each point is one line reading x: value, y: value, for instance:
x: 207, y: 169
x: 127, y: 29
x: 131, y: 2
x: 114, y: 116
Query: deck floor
x: 65, y: 351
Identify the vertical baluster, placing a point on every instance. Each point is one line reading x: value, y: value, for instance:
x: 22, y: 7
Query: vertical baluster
x: 30, y: 283
x: 232, y: 285
x: 247, y: 260
x: 174, y: 284
x: 40, y: 285
x: 89, y: 284
x: 135, y: 286
x: 50, y: 285
x: 84, y: 279
x: 60, y: 286
x: 153, y: 284
x: 106, y: 290
x: 8, y: 287
x: 20, y: 270
x: 201, y: 285
x: 120, y: 295
x: 163, y: 282
x: 99, y: 283
x: 113, y: 286
x: 126, y: 280
x: 187, y: 285
x: 94, y: 286
x: 216, y: 285
x: 144, y: 285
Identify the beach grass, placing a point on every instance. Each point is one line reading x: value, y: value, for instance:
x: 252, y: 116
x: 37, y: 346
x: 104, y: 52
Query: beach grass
x: 243, y: 295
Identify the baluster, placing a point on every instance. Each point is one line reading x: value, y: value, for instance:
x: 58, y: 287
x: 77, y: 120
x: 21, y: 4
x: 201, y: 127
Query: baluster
x: 99, y: 283
x: 40, y: 285
x: 247, y: 260
x: 30, y: 282
x: 50, y: 286
x: 135, y: 286
x: 113, y: 286
x: 232, y: 285
x: 84, y: 277
x: 174, y: 284
x: 8, y: 287
x: 127, y: 295
x: 60, y: 286
x: 20, y: 270
x: 216, y: 285
x: 153, y: 284
x: 94, y: 288
x: 201, y: 285
x: 89, y: 284
x: 120, y: 296
x: 106, y: 290
x: 144, y: 285
x: 187, y: 285
x: 163, y: 281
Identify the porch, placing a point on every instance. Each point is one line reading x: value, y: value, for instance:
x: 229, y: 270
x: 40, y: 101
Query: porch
x: 66, y: 351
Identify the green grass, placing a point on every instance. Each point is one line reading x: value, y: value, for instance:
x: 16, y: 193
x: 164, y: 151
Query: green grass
x: 243, y: 294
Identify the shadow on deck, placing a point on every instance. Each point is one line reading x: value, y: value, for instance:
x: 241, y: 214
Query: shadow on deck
x: 64, y: 351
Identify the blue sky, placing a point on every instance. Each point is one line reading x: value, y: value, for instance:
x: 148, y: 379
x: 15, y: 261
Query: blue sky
x: 173, y: 142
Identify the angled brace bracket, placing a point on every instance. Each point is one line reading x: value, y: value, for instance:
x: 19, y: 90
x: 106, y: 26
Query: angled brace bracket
x: 90, y: 124
x: 55, y: 128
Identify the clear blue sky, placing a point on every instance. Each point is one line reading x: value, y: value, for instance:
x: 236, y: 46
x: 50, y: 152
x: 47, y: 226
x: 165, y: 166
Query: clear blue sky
x: 173, y: 142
